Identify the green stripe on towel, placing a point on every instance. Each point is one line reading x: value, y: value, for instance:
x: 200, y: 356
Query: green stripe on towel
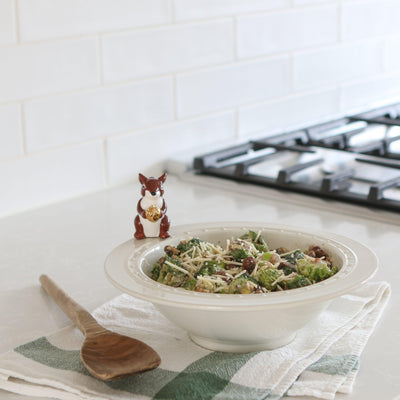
x: 206, y: 378
x: 43, y: 352
x: 336, y: 365
x: 234, y: 391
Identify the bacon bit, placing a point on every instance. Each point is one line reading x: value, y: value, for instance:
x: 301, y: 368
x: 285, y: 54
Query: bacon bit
x: 317, y: 252
x: 170, y: 250
x: 224, y: 276
x: 285, y: 264
x: 282, y: 250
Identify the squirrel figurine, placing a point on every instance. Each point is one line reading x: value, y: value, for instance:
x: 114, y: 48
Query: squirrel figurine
x: 152, y: 220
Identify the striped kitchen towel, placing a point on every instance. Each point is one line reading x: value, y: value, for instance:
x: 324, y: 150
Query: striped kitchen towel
x: 322, y: 360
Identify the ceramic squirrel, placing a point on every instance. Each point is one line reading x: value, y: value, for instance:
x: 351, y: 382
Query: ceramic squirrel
x: 152, y: 220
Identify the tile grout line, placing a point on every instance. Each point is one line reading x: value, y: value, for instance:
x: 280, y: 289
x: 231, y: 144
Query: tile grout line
x: 236, y: 123
x: 86, y: 90
x: 23, y: 129
x: 17, y: 22
x: 215, y: 113
x: 123, y: 31
x: 175, y: 97
x: 235, y: 110
x: 340, y: 42
x: 339, y: 22
x: 100, y: 59
x: 235, y: 39
x: 291, y: 86
x: 172, y: 18
x: 146, y: 79
x: 106, y: 164
x: 199, y: 69
x: 65, y: 146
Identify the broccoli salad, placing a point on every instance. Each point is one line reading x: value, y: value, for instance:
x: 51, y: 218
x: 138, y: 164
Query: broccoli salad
x: 245, y: 265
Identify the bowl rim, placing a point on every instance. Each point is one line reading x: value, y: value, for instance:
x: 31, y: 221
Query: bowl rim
x: 123, y: 268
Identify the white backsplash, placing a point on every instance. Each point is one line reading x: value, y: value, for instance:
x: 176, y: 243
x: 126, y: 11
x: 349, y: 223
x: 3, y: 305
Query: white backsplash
x: 94, y: 91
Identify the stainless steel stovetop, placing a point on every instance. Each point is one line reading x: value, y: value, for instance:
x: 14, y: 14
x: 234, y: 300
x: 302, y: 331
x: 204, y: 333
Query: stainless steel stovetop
x: 349, y: 165
x: 354, y: 159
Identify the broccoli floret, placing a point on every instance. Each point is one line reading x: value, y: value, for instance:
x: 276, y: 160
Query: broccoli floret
x: 170, y: 275
x: 297, y: 281
x: 287, y: 270
x: 239, y: 254
x: 267, y: 277
x: 245, y: 284
x: 190, y: 284
x: 315, y: 269
x: 210, y: 268
x: 293, y: 256
x: 155, y: 272
x: 172, y: 260
x: 250, y: 236
x: 259, y: 244
x: 186, y: 245
x: 176, y: 280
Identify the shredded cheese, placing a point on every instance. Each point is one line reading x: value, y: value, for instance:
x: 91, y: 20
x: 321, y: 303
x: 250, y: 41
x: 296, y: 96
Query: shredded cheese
x: 178, y: 268
x: 224, y: 269
x: 240, y: 274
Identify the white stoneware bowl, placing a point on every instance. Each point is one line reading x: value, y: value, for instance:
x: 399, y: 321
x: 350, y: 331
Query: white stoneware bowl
x: 236, y: 322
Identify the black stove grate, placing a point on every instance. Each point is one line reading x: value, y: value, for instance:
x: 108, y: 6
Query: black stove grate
x: 354, y: 159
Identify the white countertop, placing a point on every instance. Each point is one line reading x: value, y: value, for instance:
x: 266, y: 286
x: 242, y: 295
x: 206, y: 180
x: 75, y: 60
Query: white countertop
x: 69, y: 242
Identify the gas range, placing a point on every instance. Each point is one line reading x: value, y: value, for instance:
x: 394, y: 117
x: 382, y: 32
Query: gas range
x: 354, y: 159
x: 350, y: 164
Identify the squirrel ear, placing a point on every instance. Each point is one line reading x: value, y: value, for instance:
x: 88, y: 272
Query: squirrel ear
x: 142, y: 179
x: 163, y: 177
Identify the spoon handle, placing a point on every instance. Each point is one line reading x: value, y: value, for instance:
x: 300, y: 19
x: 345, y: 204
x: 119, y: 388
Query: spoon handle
x: 78, y: 315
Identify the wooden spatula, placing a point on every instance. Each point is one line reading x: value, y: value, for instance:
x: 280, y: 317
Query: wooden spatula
x: 106, y: 355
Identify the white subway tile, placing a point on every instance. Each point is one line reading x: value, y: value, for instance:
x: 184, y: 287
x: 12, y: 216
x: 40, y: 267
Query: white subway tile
x: 286, y: 31
x: 10, y: 131
x: 363, y: 95
x: 96, y: 113
x: 392, y: 53
x: 37, y: 69
x: 49, y: 177
x: 41, y: 19
x: 370, y: 19
x: 7, y: 26
x: 231, y: 86
x: 166, y: 50
x: 194, y: 9
x: 289, y: 112
x: 332, y: 65
x: 146, y: 151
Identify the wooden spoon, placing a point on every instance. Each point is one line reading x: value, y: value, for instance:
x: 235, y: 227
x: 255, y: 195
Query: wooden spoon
x: 106, y: 355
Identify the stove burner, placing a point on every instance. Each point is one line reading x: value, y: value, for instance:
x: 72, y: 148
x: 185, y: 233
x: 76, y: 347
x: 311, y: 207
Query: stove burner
x: 354, y: 159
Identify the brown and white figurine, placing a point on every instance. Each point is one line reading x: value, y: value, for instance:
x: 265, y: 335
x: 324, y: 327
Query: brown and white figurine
x: 152, y: 220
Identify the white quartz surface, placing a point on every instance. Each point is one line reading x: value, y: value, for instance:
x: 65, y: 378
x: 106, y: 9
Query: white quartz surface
x: 69, y: 242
